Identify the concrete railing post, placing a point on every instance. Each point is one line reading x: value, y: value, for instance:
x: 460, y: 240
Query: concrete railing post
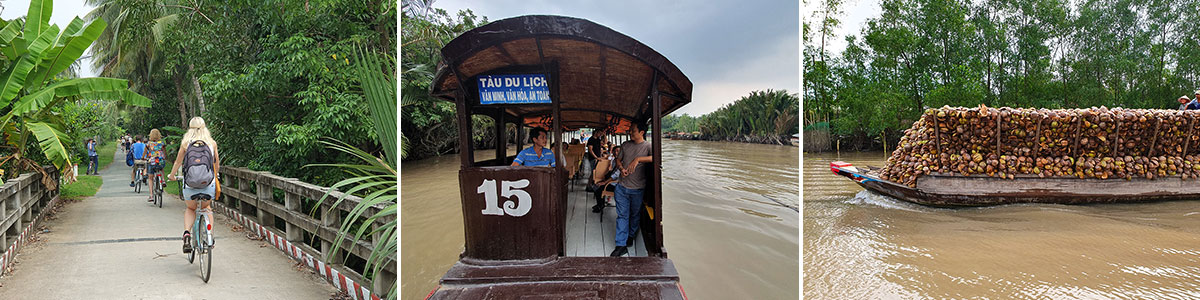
x: 330, y: 218
x: 26, y: 197
x: 263, y: 195
x: 385, y: 279
x: 4, y: 215
x: 291, y: 201
x: 244, y: 187
x: 4, y: 208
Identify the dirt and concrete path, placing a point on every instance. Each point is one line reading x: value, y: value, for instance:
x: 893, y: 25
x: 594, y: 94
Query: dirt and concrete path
x: 115, y: 245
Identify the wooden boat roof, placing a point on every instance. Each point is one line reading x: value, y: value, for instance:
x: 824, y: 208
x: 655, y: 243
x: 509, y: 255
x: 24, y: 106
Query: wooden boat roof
x: 604, y: 78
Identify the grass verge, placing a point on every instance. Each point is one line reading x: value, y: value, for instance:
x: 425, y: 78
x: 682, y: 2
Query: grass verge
x: 105, y: 152
x: 86, y: 186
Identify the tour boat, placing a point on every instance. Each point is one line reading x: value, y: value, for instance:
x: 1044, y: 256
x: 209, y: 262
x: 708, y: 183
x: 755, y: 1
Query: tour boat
x: 525, y: 235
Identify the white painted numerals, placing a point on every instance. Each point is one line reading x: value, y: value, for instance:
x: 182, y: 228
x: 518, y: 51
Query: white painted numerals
x: 508, y: 189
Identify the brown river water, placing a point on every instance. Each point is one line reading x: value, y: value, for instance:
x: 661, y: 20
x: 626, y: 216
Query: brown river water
x: 728, y: 217
x: 861, y: 245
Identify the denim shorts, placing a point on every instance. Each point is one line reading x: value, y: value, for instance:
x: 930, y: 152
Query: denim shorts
x: 188, y: 192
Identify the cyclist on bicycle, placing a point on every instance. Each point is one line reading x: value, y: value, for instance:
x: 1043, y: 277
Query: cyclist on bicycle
x: 198, y: 146
x: 139, y: 158
x: 154, y: 156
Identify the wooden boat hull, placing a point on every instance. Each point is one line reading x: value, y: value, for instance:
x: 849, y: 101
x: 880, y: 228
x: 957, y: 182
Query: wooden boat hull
x: 976, y: 190
x: 562, y: 278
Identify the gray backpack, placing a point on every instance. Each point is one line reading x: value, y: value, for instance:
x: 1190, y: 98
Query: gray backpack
x: 198, y: 165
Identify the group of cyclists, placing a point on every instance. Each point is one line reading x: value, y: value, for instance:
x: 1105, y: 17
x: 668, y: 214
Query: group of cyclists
x: 199, y: 177
x: 146, y: 155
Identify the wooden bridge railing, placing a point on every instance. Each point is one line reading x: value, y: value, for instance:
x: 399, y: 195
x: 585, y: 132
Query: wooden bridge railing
x: 285, y: 206
x: 22, y: 201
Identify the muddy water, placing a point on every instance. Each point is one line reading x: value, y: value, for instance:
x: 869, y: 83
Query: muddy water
x: 728, y: 219
x: 860, y: 245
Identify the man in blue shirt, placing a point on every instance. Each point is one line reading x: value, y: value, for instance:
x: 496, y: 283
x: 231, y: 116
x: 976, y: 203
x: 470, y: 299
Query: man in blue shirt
x: 1195, y: 103
x: 537, y: 155
x: 139, y: 160
x: 93, y: 158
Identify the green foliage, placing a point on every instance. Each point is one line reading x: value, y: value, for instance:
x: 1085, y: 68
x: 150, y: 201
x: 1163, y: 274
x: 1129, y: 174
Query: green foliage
x: 681, y: 123
x: 273, y: 77
x: 36, y: 102
x: 374, y: 181
x: 88, y: 119
x: 105, y: 154
x: 430, y: 122
x: 1023, y: 53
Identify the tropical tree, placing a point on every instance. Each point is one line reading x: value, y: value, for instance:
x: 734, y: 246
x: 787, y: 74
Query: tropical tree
x: 30, y: 89
x: 133, y: 49
x: 429, y: 122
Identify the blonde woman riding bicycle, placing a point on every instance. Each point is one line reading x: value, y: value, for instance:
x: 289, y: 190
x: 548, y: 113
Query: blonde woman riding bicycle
x: 199, y: 151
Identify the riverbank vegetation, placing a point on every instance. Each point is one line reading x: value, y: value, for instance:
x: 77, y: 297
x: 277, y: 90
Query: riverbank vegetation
x: 1021, y: 53
x: 766, y: 117
x: 428, y: 126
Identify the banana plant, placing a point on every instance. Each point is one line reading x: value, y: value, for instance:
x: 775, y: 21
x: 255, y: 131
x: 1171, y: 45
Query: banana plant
x: 34, y: 53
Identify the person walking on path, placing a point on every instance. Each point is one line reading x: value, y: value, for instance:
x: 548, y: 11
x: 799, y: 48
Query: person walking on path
x: 94, y: 158
x: 628, y: 192
x: 204, y: 164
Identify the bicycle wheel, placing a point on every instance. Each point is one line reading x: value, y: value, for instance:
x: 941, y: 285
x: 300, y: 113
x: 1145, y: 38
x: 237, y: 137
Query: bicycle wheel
x: 138, y: 183
x: 158, y: 189
x: 205, y: 251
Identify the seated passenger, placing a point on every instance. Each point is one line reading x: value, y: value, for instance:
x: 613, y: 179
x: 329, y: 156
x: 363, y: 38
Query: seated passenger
x: 536, y: 155
x: 606, y: 176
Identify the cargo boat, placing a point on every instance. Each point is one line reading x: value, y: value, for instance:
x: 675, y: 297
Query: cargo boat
x: 946, y: 190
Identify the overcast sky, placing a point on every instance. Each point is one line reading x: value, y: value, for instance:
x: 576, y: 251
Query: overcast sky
x: 64, y: 11
x: 727, y: 48
x: 854, y: 17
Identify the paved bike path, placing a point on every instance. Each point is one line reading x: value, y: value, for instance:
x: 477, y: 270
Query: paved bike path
x: 115, y: 245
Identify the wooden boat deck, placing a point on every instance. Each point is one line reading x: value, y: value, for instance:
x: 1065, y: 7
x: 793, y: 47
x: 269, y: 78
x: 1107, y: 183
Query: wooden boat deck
x: 592, y: 234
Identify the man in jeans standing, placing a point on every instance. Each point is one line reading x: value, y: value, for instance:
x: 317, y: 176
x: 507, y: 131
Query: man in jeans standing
x: 628, y: 194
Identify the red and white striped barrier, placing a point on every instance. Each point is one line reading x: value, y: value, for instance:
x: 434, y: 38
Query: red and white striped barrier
x: 334, y: 277
x: 10, y: 254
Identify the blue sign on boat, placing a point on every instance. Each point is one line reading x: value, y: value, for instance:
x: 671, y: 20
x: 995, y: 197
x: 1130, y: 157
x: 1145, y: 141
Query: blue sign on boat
x: 513, y: 89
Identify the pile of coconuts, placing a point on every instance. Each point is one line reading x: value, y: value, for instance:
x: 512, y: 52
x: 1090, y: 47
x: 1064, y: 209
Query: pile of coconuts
x: 1091, y: 143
